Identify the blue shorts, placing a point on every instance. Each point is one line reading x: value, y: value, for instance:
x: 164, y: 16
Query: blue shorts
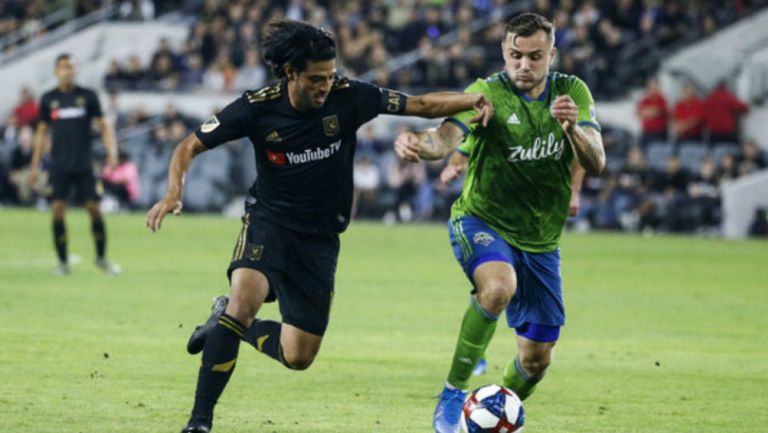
x: 537, y: 310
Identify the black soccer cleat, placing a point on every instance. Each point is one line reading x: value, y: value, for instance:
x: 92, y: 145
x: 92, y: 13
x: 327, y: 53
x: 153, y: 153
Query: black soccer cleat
x: 196, y: 341
x: 197, y: 426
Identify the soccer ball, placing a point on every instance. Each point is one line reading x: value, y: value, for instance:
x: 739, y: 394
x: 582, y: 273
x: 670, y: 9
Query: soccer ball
x: 492, y: 409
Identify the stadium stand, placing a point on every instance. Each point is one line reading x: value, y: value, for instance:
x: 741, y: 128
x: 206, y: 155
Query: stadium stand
x: 615, y: 46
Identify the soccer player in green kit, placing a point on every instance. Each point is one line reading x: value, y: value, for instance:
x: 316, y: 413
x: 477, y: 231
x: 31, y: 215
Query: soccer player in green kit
x: 505, y: 227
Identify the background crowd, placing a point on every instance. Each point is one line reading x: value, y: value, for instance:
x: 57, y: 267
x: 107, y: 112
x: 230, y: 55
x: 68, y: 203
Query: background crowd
x: 666, y: 178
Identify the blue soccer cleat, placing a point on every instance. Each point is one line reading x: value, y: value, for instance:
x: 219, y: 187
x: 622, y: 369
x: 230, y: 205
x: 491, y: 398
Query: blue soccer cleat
x: 448, y: 410
x: 480, y: 368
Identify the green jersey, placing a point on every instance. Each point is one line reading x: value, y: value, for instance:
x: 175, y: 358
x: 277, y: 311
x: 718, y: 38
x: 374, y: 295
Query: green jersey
x: 519, y: 170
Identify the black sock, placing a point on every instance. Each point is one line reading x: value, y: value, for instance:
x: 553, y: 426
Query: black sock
x: 219, y: 357
x: 264, y: 335
x: 60, y: 239
x: 99, y: 236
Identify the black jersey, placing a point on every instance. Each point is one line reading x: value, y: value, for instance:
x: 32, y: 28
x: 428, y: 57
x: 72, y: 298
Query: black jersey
x: 303, y: 160
x: 69, y: 115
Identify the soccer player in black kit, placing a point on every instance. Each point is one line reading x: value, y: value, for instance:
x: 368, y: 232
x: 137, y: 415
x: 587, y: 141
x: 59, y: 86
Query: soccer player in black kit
x: 303, y: 129
x: 68, y: 111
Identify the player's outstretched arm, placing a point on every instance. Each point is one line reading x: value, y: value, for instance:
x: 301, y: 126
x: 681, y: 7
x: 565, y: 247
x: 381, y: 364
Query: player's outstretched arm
x: 456, y: 166
x: 587, y: 142
x: 434, y: 143
x: 577, y: 179
x: 442, y: 104
x: 182, y: 158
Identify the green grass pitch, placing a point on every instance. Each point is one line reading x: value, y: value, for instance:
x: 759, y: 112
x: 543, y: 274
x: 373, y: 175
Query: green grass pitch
x: 664, y: 334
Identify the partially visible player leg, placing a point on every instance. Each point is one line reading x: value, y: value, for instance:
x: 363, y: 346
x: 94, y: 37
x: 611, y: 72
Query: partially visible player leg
x: 304, y: 296
x: 248, y: 291
x: 539, y: 301
x: 58, y: 209
x: 528, y: 368
x: 487, y: 260
x: 97, y: 228
x: 495, y: 282
x: 86, y: 189
x: 287, y: 344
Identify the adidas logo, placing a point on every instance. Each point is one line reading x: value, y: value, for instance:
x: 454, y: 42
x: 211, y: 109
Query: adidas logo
x: 513, y: 120
x: 273, y: 137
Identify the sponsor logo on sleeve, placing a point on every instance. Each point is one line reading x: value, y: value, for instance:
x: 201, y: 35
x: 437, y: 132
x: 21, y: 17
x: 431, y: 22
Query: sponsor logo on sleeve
x: 209, y: 125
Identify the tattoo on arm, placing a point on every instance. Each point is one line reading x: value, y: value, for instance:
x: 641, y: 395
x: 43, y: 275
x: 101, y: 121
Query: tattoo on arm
x: 589, y: 150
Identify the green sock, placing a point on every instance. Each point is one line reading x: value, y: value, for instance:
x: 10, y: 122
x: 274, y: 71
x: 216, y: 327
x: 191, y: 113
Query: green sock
x: 476, y: 332
x: 515, y: 379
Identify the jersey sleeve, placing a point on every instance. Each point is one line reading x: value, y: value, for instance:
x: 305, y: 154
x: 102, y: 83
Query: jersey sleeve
x: 581, y: 95
x: 373, y: 100
x: 229, y: 124
x: 466, y: 146
x: 462, y: 119
x: 94, y: 106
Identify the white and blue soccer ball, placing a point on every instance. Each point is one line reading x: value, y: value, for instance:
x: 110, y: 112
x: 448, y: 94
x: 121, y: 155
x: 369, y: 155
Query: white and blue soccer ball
x: 492, y: 409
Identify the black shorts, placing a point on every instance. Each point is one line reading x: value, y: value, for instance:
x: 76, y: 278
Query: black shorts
x: 84, y: 183
x: 300, y: 268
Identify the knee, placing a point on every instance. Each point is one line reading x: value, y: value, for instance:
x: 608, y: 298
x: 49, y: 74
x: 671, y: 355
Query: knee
x: 93, y: 210
x: 249, y: 290
x: 58, y: 210
x: 298, y: 361
x: 496, y: 294
x: 241, y: 310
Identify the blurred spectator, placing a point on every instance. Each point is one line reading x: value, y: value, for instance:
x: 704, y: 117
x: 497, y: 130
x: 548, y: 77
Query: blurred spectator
x: 253, y: 74
x: 136, y: 10
x: 367, y: 180
x: 404, y: 178
x: 752, y: 158
x: 122, y: 181
x: 134, y: 76
x: 19, y: 170
x: 114, y: 78
x: 688, y: 116
x: 729, y: 169
x: 721, y: 115
x: 26, y: 110
x: 666, y: 209
x: 704, y: 194
x: 193, y: 73
x: 368, y: 144
x: 653, y: 113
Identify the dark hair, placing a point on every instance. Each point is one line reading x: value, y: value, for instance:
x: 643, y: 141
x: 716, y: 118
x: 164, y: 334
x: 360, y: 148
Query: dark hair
x: 295, y: 43
x: 528, y: 23
x: 62, y: 56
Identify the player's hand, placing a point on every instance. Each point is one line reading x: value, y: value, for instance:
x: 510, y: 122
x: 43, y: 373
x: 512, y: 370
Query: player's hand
x: 407, y: 147
x: 160, y: 209
x: 450, y: 173
x: 484, y: 109
x: 574, y: 205
x: 565, y: 111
